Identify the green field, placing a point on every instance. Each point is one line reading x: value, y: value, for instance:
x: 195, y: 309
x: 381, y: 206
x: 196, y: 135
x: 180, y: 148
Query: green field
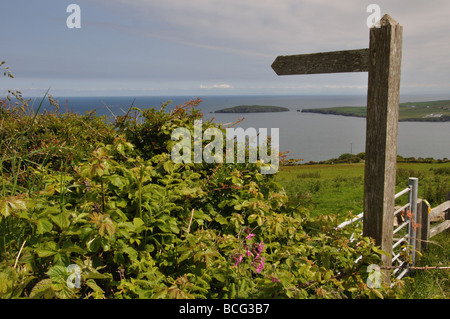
x: 431, y: 111
x: 339, y: 188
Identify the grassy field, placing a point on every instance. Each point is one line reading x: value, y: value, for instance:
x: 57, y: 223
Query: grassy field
x: 432, y: 284
x: 324, y: 188
x: 339, y: 188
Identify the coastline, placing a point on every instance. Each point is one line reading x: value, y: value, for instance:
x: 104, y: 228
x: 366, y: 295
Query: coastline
x: 431, y: 111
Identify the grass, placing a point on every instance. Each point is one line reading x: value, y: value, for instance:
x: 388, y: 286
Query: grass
x: 325, y: 189
x: 432, y: 284
x: 339, y: 189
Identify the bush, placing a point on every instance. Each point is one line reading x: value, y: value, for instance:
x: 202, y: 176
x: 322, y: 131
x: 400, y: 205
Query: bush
x: 137, y: 225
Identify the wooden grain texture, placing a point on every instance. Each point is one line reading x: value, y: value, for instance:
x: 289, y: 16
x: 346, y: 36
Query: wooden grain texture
x: 385, y: 52
x: 438, y: 210
x: 447, y: 213
x: 424, y: 218
x: 383, y: 62
x: 323, y: 62
x: 439, y: 228
x: 422, y: 230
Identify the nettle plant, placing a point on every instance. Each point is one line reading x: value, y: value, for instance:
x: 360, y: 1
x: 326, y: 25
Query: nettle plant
x: 138, y: 225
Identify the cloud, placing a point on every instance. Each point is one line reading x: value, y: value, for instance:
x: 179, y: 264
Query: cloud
x: 216, y: 86
x: 264, y: 27
x: 179, y: 44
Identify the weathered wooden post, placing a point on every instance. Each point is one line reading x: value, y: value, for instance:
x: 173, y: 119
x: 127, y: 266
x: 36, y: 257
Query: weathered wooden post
x: 383, y: 62
x: 423, y: 233
x: 447, y: 213
x: 385, y: 53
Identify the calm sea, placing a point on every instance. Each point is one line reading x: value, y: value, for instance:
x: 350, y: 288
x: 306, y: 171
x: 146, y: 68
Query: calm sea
x: 311, y: 137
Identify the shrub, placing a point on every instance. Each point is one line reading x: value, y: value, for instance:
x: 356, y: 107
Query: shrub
x: 137, y: 225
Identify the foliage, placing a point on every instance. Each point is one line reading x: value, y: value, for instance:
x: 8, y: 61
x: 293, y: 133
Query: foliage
x: 79, y: 190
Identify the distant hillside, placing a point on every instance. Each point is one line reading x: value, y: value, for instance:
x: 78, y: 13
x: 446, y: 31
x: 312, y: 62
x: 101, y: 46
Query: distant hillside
x: 253, y: 109
x: 431, y: 111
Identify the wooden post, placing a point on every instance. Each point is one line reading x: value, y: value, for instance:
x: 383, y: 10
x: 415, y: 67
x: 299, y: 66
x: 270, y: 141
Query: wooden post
x: 424, y: 221
x: 447, y: 213
x: 383, y: 62
x: 385, y: 53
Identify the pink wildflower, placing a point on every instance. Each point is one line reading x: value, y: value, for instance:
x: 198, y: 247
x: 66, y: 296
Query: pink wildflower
x: 260, y: 248
x: 249, y: 236
x: 238, y: 259
x: 274, y: 279
x: 249, y: 253
x: 260, y: 266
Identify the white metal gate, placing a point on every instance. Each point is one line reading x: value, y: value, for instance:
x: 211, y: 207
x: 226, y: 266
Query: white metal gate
x: 404, y: 234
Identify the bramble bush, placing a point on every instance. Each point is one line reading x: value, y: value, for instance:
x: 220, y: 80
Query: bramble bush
x: 106, y: 196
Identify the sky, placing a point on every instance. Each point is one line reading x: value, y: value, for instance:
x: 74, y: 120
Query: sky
x: 209, y: 47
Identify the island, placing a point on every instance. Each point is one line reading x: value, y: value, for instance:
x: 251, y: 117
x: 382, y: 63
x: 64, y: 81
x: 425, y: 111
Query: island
x: 253, y: 109
x: 431, y: 111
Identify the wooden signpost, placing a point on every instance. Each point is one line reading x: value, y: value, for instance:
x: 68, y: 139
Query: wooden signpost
x: 382, y: 61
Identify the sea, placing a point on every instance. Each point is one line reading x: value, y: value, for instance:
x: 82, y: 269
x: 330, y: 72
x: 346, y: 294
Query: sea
x: 304, y: 136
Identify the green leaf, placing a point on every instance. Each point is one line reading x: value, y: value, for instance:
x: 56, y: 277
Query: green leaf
x: 174, y: 227
x: 137, y: 222
x: 43, y: 252
x: 118, y: 181
x: 94, y: 244
x: 44, y: 226
x: 49, y: 249
x: 168, y: 167
x: 122, y: 203
x: 4, y: 280
x: 43, y: 289
x: 61, y: 220
x: 199, y: 214
x: 58, y: 274
x: 220, y: 219
x: 5, y: 209
x: 98, y: 292
x: 130, y: 252
x: 374, y: 293
x: 106, y: 246
x: 219, y: 276
x: 167, y: 226
x: 379, y: 251
x: 185, y: 255
x: 96, y: 275
x: 74, y: 249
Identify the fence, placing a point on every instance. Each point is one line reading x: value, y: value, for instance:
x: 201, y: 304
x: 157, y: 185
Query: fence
x: 413, y: 231
x: 425, y: 215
